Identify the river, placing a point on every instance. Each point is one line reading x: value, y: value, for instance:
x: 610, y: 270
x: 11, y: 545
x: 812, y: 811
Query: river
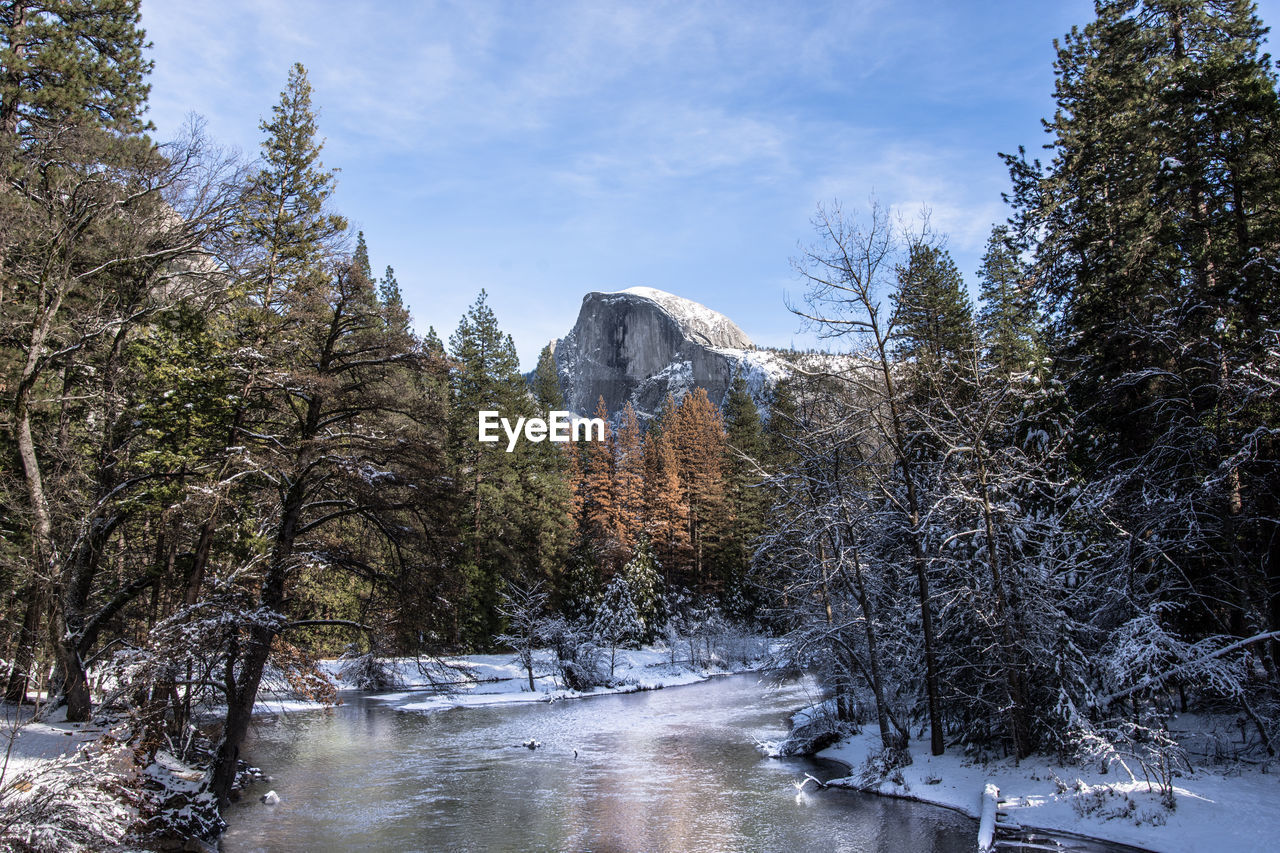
x: 664, y: 770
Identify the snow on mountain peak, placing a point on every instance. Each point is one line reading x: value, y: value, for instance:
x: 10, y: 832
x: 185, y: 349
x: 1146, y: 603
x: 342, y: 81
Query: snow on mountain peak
x: 697, y: 321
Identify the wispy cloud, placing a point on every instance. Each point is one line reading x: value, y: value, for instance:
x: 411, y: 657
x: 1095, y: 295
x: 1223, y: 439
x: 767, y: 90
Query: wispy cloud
x: 545, y: 149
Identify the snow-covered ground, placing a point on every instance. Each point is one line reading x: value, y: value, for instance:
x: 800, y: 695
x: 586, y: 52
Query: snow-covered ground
x: 499, y: 679
x: 33, y: 742
x: 1238, y: 810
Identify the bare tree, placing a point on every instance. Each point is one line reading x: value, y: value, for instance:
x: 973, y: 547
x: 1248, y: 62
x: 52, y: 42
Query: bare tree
x: 848, y: 271
x: 524, y: 609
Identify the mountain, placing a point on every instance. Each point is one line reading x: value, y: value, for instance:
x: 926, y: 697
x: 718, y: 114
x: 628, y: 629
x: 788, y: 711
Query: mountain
x: 640, y: 344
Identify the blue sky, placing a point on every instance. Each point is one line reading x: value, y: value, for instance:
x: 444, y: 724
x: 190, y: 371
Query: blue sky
x: 541, y: 150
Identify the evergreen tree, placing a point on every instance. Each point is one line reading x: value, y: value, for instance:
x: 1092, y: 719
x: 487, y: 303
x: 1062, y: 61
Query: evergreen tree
x: 284, y: 215
x: 697, y: 438
x: 932, y: 317
x: 546, y: 382
x: 485, y: 377
x: 432, y: 342
x: 601, y: 520
x: 395, y: 311
x: 389, y: 290
x: 360, y: 257
x: 628, y: 481
x: 1007, y: 318
x: 89, y: 243
x: 745, y: 492
x: 72, y: 63
x: 316, y: 382
x: 617, y: 622
x: 643, y: 577
x: 664, y: 503
x: 1154, y: 229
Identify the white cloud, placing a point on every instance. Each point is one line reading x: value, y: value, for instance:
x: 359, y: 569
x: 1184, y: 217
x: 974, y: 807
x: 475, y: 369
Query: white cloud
x: 544, y: 149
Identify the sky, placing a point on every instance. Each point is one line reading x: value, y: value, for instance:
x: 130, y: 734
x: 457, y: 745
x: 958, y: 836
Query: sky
x: 541, y: 150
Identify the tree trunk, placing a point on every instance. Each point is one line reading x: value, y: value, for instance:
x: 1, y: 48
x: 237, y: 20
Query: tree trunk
x: 24, y: 655
x: 1019, y: 731
x: 936, y: 743
x: 242, y: 691
x: 888, y: 738
x: 75, y: 677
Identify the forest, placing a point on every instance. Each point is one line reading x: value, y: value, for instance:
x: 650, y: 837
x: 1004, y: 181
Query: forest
x: 1035, y: 523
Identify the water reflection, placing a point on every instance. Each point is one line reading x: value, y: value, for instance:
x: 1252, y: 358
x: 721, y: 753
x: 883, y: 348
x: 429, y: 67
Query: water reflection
x: 669, y: 770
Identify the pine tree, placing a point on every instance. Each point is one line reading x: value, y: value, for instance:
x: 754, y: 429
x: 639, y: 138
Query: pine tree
x: 432, y: 342
x: 617, y: 622
x: 643, y: 576
x: 340, y: 446
x: 88, y: 241
x: 485, y: 377
x: 546, y: 382
x: 932, y: 317
x: 284, y: 210
x: 601, y: 523
x: 394, y: 309
x: 697, y: 437
x: 1155, y: 230
x: 665, y: 508
x: 747, y: 497
x: 628, y: 481
x: 72, y: 63
x: 1007, y: 318
x: 360, y: 258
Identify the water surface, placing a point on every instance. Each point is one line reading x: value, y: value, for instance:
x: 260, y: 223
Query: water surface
x: 665, y: 770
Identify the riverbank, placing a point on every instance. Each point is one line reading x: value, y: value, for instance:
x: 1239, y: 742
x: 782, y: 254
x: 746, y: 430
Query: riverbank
x: 498, y: 679
x: 1236, y: 808
x: 463, y: 681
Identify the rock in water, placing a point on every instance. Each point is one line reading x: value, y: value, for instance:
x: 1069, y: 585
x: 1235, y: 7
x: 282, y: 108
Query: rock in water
x: 640, y: 344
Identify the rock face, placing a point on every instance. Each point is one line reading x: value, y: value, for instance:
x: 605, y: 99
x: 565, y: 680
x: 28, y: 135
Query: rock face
x: 640, y: 344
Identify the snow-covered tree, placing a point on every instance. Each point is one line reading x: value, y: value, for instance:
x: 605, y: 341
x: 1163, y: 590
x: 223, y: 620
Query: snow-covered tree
x: 617, y: 622
x: 643, y: 577
x: 524, y: 611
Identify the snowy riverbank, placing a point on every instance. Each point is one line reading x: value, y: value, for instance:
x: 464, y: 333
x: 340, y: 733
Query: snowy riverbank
x: 29, y: 742
x: 499, y: 679
x: 1236, y: 809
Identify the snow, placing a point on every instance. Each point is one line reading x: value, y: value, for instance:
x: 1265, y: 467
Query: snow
x: 59, y: 791
x: 1236, y: 810
x: 987, y: 822
x: 34, y: 742
x: 697, y: 321
x: 761, y: 370
x: 502, y: 681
